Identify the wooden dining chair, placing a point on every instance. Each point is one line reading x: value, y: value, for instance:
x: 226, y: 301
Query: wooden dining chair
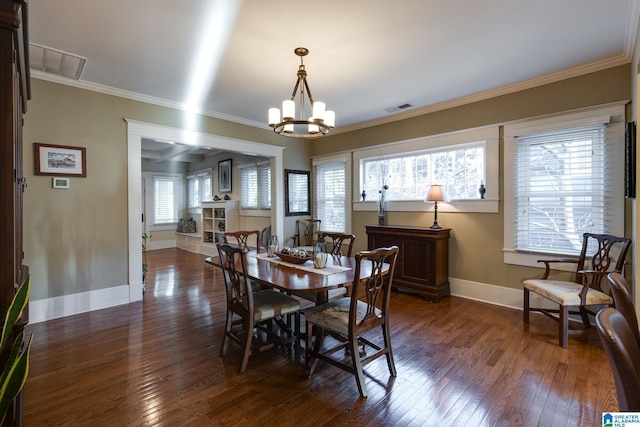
x: 350, y: 317
x: 254, y: 309
x: 338, y: 241
x: 600, y: 254
x: 265, y: 235
x: 623, y: 353
x: 306, y: 232
x: 243, y: 239
x: 623, y: 301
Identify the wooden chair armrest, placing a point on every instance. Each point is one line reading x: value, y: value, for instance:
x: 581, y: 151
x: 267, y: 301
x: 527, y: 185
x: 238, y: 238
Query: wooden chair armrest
x: 590, y: 278
x: 548, y: 262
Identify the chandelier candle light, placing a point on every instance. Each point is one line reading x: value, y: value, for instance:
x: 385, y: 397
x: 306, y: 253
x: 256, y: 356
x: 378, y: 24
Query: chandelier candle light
x: 321, y: 120
x: 436, y: 194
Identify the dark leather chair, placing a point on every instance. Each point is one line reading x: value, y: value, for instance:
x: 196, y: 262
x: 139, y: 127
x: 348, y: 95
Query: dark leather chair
x: 624, y: 356
x: 600, y: 255
x: 350, y: 317
x: 253, y: 309
x: 623, y: 302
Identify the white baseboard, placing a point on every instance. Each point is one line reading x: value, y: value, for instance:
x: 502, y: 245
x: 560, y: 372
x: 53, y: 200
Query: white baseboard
x: 493, y: 294
x: 68, y: 305
x: 162, y: 244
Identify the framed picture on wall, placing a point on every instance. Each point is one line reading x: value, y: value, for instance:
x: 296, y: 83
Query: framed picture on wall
x: 60, y: 160
x: 224, y: 176
x: 297, y: 189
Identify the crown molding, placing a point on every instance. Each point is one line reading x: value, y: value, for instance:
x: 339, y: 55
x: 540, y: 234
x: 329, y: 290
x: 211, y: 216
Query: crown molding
x: 492, y: 93
x: 480, y: 96
x: 108, y: 90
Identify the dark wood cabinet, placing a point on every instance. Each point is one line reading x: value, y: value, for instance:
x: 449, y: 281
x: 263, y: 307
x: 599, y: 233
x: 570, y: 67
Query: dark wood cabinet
x: 14, y: 93
x: 423, y: 260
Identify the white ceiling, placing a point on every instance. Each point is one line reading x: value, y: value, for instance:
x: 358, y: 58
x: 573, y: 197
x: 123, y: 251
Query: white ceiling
x: 234, y: 59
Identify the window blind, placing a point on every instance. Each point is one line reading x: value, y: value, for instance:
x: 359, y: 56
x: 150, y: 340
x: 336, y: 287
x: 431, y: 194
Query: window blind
x: 561, y: 188
x: 264, y: 186
x: 255, y: 184
x: 330, y: 192
x: 249, y: 187
x: 166, y: 199
x: 199, y: 188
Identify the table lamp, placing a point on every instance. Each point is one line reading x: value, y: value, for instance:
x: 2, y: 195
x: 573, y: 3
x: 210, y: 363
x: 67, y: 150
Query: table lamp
x: 436, y: 194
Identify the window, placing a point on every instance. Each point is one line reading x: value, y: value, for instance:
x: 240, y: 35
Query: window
x: 460, y: 169
x: 166, y: 199
x: 330, y: 195
x: 255, y: 184
x: 461, y: 161
x: 199, y: 188
x: 564, y: 181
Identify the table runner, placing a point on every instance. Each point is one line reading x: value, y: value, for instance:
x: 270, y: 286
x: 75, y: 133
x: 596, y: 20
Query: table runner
x: 328, y: 270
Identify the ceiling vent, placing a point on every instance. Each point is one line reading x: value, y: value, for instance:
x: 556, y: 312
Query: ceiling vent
x: 54, y: 61
x: 398, y: 108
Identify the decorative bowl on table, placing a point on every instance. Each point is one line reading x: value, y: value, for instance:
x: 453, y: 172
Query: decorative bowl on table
x: 293, y: 259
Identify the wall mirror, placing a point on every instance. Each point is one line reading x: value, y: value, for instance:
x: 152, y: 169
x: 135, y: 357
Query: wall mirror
x: 297, y: 189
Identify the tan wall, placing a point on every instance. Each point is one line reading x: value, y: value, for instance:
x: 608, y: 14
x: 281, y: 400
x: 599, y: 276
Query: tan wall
x: 475, y: 251
x: 76, y: 240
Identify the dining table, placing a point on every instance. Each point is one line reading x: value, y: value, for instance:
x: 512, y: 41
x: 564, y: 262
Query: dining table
x: 301, y: 278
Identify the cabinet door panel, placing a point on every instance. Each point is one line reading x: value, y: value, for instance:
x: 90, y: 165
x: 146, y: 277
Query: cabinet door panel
x: 415, y: 267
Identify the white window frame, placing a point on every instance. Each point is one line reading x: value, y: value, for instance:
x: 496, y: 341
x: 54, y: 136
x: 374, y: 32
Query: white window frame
x: 612, y: 114
x: 490, y: 136
x: 345, y: 159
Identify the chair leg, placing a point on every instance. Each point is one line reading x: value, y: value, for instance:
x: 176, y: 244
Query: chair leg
x: 563, y: 331
x: 526, y: 306
x: 248, y: 327
x: 357, y: 366
x: 225, y: 334
x: 585, y: 317
x: 387, y: 344
x: 296, y: 334
x: 312, y: 361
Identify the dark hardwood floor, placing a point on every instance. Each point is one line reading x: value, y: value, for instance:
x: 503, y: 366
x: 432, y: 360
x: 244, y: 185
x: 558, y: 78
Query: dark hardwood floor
x: 156, y: 363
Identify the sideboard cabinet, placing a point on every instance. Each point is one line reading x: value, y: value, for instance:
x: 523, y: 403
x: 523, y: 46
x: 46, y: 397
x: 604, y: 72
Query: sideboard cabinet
x: 423, y: 260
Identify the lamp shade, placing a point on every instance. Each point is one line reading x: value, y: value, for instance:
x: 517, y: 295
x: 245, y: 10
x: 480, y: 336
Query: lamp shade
x: 436, y: 193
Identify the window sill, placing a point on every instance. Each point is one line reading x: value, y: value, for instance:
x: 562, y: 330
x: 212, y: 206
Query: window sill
x: 164, y: 227
x: 466, y: 205
x: 255, y: 212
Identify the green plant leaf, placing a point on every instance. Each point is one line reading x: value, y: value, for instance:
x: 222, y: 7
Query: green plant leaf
x: 18, y: 370
x: 20, y: 300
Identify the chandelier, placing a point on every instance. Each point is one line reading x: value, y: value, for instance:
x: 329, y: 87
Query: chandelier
x: 320, y: 121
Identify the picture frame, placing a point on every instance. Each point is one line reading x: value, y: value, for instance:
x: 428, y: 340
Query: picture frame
x: 630, y: 161
x: 297, y: 191
x: 60, y: 160
x: 224, y: 176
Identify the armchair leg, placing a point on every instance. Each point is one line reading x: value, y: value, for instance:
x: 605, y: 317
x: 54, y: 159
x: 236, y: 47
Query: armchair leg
x: 563, y: 323
x: 525, y: 309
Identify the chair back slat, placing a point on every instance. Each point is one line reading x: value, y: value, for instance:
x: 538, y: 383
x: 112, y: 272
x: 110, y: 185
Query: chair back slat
x: 374, y: 290
x: 306, y: 232
x: 609, y: 253
x: 338, y: 241
x: 243, y: 238
x: 234, y: 266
